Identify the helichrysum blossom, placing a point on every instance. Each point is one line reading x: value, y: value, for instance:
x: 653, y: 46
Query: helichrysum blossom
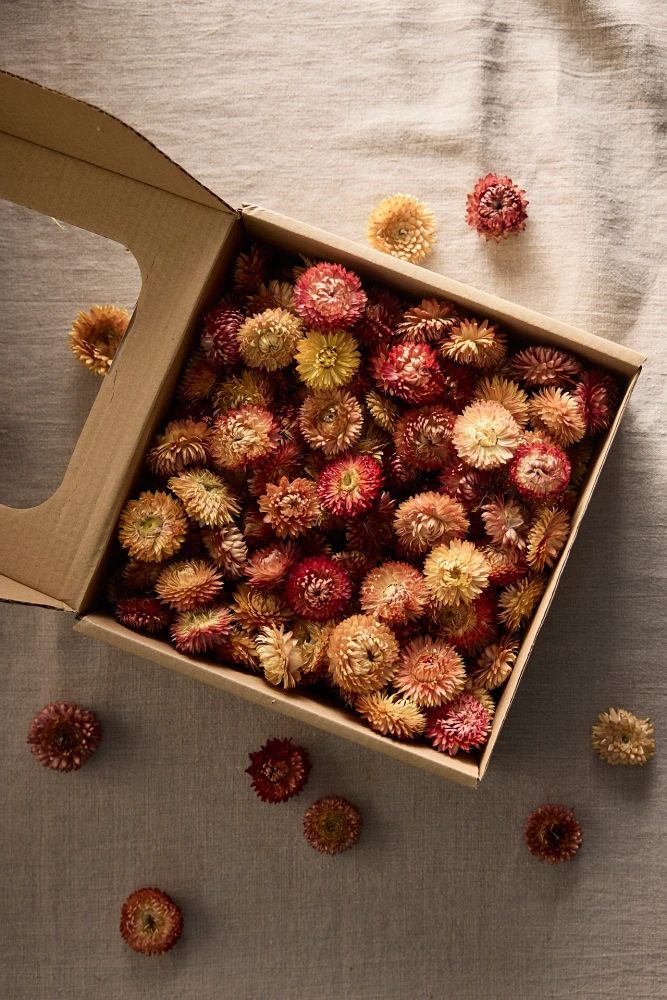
x: 144, y: 613
x: 547, y: 536
x: 430, y: 672
x: 461, y: 724
x: 317, y: 588
x: 332, y: 825
x: 507, y: 565
x: 269, y: 339
x: 63, y: 736
x: 409, y: 371
x: 219, y: 337
x: 188, y: 584
x: 197, y: 380
x: 331, y: 421
x: 251, y: 387
x: 380, y: 318
x: 545, y: 366
x: 539, y: 470
x: 327, y: 360
x: 257, y: 608
x: 429, y: 519
x: 350, y: 484
x: 496, y: 207
x: 152, y: 528
x: 150, y: 922
x: 402, y: 226
x: 240, y: 648
x: 279, y: 656
x: 140, y: 577
x: 469, y: 627
x: 279, y: 770
x: 227, y: 550
x: 275, y: 295
x: 474, y: 343
x: 363, y: 654
x: 432, y: 320
x: 455, y: 573
x: 199, y: 629
x: 423, y: 437
x: 518, y: 601
x: 505, y: 522
x: 375, y: 530
x: 329, y: 297
x: 287, y: 460
x: 486, y: 435
x: 552, y: 833
x: 183, y: 443
x: 373, y: 442
x: 251, y: 269
x: 459, y: 384
x: 394, y: 592
x: 96, y: 335
x: 495, y: 664
x: 269, y: 566
x: 597, y: 395
x: 291, y: 508
x: 471, y: 487
x: 391, y: 715
x: 244, y: 437
x: 313, y: 639
x: 559, y: 414
x: 622, y: 738
x: 382, y: 410
x: 206, y: 497
x: 501, y: 390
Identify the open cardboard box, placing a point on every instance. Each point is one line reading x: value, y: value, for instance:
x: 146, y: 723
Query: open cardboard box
x: 67, y: 159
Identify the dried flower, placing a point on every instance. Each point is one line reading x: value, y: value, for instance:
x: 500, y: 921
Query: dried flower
x: 540, y: 470
x: 547, y: 536
x: 153, y: 527
x: 429, y: 519
x: 96, y: 335
x: 486, y: 435
x: 144, y: 613
x: 227, y: 550
x: 455, y: 573
x: 329, y: 297
x: 471, y: 487
x: 374, y: 443
x: 251, y: 269
x: 461, y: 724
x: 188, y: 584
x: 380, y: 318
x: 362, y: 654
x: 411, y: 372
x: 140, y: 577
x: 198, y: 379
x: 507, y: 565
x: 63, y: 736
x: 430, y: 672
x: 496, y: 208
x: 424, y: 437
x: 332, y: 825
x: 505, y: 522
x: 206, y: 497
x: 597, y: 395
x: 390, y: 715
x: 395, y: 592
x: 252, y: 387
x: 279, y: 656
x: 350, y: 484
x: 622, y: 738
x: 403, y: 227
x: 545, y: 366
x: 269, y: 566
x: 552, y: 833
x: 495, y: 664
x: 291, y: 508
x: 313, y: 639
x: 382, y: 410
x: 469, y: 627
x: 279, y: 770
x: 258, y: 608
x: 244, y: 437
x: 238, y: 647
x: 559, y: 414
x: 318, y: 588
x: 199, y: 629
x: 474, y: 343
x: 150, y: 922
x: 331, y: 421
x: 327, y: 360
x: 183, y: 443
x: 508, y: 394
x: 219, y: 339
x: 518, y: 601
x: 431, y: 320
x: 375, y: 530
x: 275, y: 295
x: 269, y: 339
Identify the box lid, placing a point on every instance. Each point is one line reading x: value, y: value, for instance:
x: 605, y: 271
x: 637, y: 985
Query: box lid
x: 69, y: 160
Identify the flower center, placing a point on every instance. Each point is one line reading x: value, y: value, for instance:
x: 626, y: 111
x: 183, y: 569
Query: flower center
x: 149, y: 922
x: 275, y: 770
x: 349, y: 481
x: 64, y: 737
x: 487, y: 437
x: 151, y: 524
x: 327, y: 357
x: 269, y: 342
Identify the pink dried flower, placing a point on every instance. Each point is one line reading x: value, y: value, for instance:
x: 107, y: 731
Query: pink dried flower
x: 470, y: 487
x: 269, y: 566
x: 395, y: 592
x: 244, y: 437
x: 430, y: 672
x: 539, y: 470
x: 411, y: 372
x: 545, y: 366
x: 318, y: 588
x: 218, y: 338
x: 461, y: 724
x: 350, y: 484
x: 144, y: 613
x: 423, y: 437
x: 291, y: 508
x: 597, y: 395
x: 507, y: 565
x: 183, y: 443
x: 63, y: 736
x: 279, y: 770
x: 505, y: 523
x: 286, y: 460
x: 486, y: 435
x: 331, y: 420
x: 199, y: 629
x: 329, y: 297
x: 496, y: 208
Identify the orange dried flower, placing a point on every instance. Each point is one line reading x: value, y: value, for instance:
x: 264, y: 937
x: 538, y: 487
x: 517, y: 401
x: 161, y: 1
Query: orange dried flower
x: 63, y: 736
x: 197, y: 380
x: 545, y: 366
x: 244, y: 437
x: 362, y: 654
x: 96, y: 335
x: 474, y: 343
x: 430, y: 672
x: 390, y: 715
x: 188, y: 584
x: 500, y: 390
x: 518, y: 601
x: 256, y: 608
x: 206, y: 497
x: 547, y: 536
x: 150, y: 922
x: 403, y: 227
x: 559, y: 414
x: 429, y: 519
x: 140, y: 577
x: 431, y: 320
x: 183, y: 443
x: 331, y: 420
x: 252, y: 268
x: 332, y: 825
x: 495, y: 664
x: 238, y: 647
x: 279, y: 656
x: 275, y: 295
x: 395, y: 592
x: 152, y: 528
x: 507, y: 565
x: 496, y: 208
x: 622, y: 738
x: 382, y: 410
x: 291, y: 508
x: 251, y: 387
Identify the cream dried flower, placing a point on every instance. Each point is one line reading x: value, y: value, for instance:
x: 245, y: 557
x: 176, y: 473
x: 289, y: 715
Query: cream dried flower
x: 547, y: 536
x: 505, y: 523
x: 456, y: 573
x: 331, y: 420
x: 486, y: 435
x: 313, y: 639
x: 518, y: 601
x: 429, y: 519
x: 269, y: 340
x: 476, y: 344
x: 382, y: 410
x: 206, y: 497
x: 496, y: 662
x: 243, y: 437
x: 559, y: 414
x: 390, y: 715
x: 395, y: 592
x: 622, y: 738
x: 430, y: 672
x: 291, y: 508
x: 403, y: 227
x: 279, y: 656
x: 362, y: 654
x: 227, y: 549
x: 431, y: 320
x: 497, y: 389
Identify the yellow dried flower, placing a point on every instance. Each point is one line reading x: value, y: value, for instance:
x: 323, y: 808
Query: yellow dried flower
x: 507, y: 393
x: 188, y: 584
x: 96, y: 335
x: 495, y: 664
x: 152, y: 528
x: 269, y: 340
x: 206, y: 497
x: 622, y: 738
x: 547, y: 536
x: 486, y: 435
x: 291, y: 508
x: 327, y: 360
x: 279, y: 656
x: 476, y: 344
x: 382, y: 410
x: 391, y: 715
x: 363, y: 654
x: 184, y: 442
x: 331, y: 421
x: 456, y: 573
x: 256, y: 608
x: 403, y: 227
x: 559, y: 414
x: 249, y: 388
x: 518, y: 601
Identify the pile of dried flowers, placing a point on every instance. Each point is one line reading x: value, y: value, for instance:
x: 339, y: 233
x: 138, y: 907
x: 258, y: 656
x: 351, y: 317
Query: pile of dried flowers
x: 360, y: 492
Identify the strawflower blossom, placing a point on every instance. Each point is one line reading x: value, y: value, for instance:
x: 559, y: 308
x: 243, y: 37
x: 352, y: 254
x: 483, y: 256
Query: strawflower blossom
x: 183, y: 443
x: 402, y: 226
x: 227, y: 549
x: 461, y: 724
x: 395, y: 592
x: 559, y: 414
x: 287, y: 460
x: 505, y: 522
x: 496, y: 662
x: 391, y: 715
x: 251, y: 387
x: 279, y: 656
x: 507, y: 565
x: 152, y: 528
x: 96, y: 335
x: 622, y: 738
x: 545, y: 366
x: 332, y: 825
x: 188, y: 584
x: 268, y: 567
x: 140, y: 577
x: 501, y: 390
x: 291, y: 508
x: 275, y: 295
x: 238, y: 647
x: 496, y: 208
x: 456, y: 573
x: 382, y: 410
x: 597, y: 395
x: 279, y: 770
x: 144, y: 613
x: 327, y: 360
x: 199, y: 629
x: 363, y: 654
x: 317, y: 588
x: 63, y: 736
x: 380, y: 319
x: 423, y: 437
x: 547, y: 536
x: 331, y: 420
x: 552, y: 833
x: 219, y: 340
x: 459, y: 383
x: 471, y: 487
x: 375, y: 530
x: 469, y: 627
x: 206, y: 497
x: 150, y: 922
x: 430, y: 672
x: 252, y: 269
x: 431, y: 320
x: 518, y: 601
x: 540, y: 470
x: 313, y: 639
x: 257, y: 608
x: 486, y: 435
x: 409, y: 371
x: 329, y: 297
x: 429, y: 519
x: 350, y: 484
x: 244, y: 437
x: 269, y: 339
x: 474, y: 343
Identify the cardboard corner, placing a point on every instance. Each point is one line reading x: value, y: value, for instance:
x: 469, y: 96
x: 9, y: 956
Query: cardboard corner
x: 12, y: 592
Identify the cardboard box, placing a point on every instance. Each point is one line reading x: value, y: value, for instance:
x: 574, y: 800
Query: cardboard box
x: 67, y: 159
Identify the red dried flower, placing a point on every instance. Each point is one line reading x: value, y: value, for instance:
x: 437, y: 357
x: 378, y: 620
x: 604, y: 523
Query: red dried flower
x: 411, y: 372
x: 279, y: 770
x: 545, y: 366
x: 471, y: 487
x: 318, y: 588
x: 375, y: 530
x: 218, y: 338
x: 200, y: 629
x: 496, y: 208
x: 332, y: 825
x: 460, y: 382
x: 63, y: 736
x: 150, y: 921
x: 380, y: 318
x: 423, y: 437
x: 539, y: 470
x: 552, y: 833
x: 329, y: 297
x: 469, y: 627
x: 145, y: 613
x: 597, y: 394
x: 460, y: 724
x: 350, y: 484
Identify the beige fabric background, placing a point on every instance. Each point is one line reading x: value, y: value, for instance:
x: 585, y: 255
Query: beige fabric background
x: 318, y: 110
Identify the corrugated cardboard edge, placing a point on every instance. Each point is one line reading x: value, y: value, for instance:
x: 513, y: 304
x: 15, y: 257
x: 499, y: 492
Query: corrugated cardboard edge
x: 12, y: 592
x: 295, y: 704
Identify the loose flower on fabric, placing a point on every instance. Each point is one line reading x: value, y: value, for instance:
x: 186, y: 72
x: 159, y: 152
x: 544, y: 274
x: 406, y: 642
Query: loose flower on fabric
x: 96, y: 336
x: 332, y: 825
x: 552, y: 834
x: 496, y: 208
x: 403, y: 227
x: 64, y: 736
x: 619, y: 737
x: 279, y: 770
x: 151, y: 922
